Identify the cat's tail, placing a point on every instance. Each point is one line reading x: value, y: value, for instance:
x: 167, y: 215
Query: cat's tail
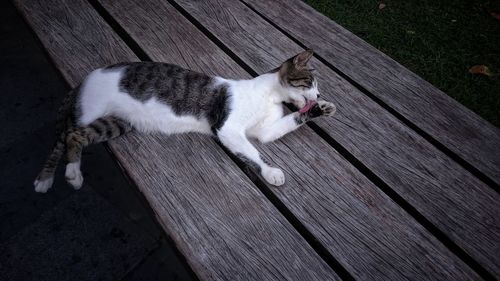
x: 45, y: 178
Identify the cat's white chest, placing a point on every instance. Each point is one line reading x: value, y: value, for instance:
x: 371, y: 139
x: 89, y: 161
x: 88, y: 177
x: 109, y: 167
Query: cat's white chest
x: 252, y: 104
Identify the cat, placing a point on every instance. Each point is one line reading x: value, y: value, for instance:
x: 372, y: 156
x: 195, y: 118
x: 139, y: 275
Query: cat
x: 160, y: 97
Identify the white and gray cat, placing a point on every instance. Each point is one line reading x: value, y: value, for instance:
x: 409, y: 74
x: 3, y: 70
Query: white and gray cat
x: 159, y: 97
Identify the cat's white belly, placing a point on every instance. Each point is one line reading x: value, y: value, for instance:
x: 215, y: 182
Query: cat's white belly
x: 101, y: 96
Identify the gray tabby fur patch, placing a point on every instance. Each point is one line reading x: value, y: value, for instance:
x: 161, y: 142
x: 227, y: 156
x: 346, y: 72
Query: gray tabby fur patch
x: 185, y: 91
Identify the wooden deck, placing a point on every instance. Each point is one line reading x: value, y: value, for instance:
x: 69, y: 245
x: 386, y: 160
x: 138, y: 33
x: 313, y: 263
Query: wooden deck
x: 402, y: 184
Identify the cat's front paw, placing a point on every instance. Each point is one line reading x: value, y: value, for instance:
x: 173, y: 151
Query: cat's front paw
x: 74, y: 175
x: 326, y: 108
x: 274, y: 176
x: 322, y: 108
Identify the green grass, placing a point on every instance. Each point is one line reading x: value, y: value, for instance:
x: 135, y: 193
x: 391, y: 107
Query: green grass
x: 437, y: 40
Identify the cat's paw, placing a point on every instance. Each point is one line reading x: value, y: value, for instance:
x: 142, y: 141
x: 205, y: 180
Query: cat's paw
x: 322, y: 108
x: 274, y: 176
x: 74, y: 175
x: 42, y: 186
x: 327, y: 108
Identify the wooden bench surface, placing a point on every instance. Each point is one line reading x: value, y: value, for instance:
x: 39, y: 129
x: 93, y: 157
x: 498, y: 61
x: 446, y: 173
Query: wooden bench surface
x: 417, y: 171
x: 367, y: 196
x: 439, y: 116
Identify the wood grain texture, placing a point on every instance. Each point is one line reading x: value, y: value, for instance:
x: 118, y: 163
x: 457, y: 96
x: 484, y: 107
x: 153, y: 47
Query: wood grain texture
x: 370, y: 235
x: 224, y: 226
x: 74, y: 48
x: 447, y: 121
x: 460, y: 205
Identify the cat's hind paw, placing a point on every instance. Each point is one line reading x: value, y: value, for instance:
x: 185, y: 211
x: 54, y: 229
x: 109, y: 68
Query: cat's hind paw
x: 74, y: 175
x: 42, y: 186
x: 274, y: 176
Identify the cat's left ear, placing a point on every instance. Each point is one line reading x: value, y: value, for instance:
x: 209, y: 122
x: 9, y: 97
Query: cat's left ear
x: 300, y: 60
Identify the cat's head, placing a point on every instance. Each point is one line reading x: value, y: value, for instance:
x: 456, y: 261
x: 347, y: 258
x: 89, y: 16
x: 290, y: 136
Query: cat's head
x: 297, y: 80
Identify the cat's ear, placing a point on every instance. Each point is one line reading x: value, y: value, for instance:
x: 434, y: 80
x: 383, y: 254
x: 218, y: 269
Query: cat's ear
x: 301, y: 59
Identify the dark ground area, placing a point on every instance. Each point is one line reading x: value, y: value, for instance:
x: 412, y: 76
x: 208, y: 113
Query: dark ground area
x: 438, y: 40
x: 104, y: 231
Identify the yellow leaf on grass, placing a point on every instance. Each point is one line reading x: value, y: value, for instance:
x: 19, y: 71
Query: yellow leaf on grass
x: 381, y: 6
x: 480, y: 69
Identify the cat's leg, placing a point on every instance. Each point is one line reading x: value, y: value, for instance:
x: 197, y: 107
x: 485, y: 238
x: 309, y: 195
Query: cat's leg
x: 100, y: 130
x: 293, y: 121
x: 239, y: 145
x: 279, y: 128
x: 45, y: 178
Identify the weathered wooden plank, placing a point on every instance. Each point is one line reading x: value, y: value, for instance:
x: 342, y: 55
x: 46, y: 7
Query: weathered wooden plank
x: 447, y: 121
x: 212, y: 213
x: 356, y: 222
x: 455, y: 201
x: 223, y: 225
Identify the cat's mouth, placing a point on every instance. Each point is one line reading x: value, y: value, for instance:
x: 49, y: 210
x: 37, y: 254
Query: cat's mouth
x: 308, y: 105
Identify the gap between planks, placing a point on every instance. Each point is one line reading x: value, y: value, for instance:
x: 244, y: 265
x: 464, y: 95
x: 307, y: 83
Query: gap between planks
x: 250, y: 70
x: 457, y: 250
x: 295, y: 222
x: 68, y: 78
x: 448, y: 152
x: 445, y: 119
